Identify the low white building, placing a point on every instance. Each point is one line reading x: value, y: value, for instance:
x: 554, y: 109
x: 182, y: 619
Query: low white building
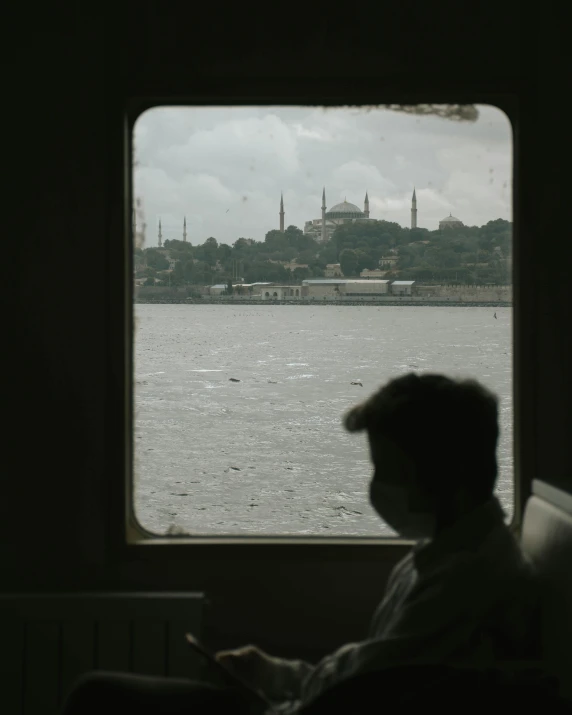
x: 249, y: 289
x: 365, y: 288
x: 402, y: 287
x: 322, y: 288
x: 344, y: 288
x: 333, y: 270
x: 372, y: 274
x: 218, y: 289
x: 276, y: 292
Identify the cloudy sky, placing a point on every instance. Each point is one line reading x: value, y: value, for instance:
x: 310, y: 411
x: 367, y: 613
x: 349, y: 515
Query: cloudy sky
x: 224, y: 168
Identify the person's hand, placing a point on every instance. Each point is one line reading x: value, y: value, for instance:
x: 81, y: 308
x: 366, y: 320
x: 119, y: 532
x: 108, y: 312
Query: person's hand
x: 260, y: 670
x: 249, y: 663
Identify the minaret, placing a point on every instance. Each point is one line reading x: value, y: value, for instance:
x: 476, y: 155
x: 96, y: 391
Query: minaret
x: 160, y: 235
x: 414, y: 210
x: 366, y: 206
x: 281, y: 213
x: 324, y: 215
x: 185, y: 229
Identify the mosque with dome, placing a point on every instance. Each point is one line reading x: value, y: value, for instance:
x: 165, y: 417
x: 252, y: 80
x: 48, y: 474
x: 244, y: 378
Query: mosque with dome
x: 321, y: 229
x: 450, y: 222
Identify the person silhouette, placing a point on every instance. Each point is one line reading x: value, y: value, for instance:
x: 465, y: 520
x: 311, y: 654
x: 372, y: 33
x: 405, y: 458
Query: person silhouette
x: 463, y: 595
x: 465, y: 590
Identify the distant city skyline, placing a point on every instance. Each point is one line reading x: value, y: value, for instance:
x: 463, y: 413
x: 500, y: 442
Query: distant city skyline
x: 225, y: 169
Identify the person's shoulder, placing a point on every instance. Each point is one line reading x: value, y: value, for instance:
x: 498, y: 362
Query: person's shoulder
x: 404, y: 567
x: 402, y: 571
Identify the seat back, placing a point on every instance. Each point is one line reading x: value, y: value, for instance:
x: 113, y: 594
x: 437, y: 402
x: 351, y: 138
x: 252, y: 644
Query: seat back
x: 547, y: 539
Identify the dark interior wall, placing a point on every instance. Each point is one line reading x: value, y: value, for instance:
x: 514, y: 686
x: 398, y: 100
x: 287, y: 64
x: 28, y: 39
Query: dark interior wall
x: 56, y: 155
x: 68, y: 75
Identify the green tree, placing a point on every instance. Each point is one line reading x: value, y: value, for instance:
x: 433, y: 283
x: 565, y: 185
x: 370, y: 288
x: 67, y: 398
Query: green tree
x: 286, y: 254
x: 276, y: 241
x: 245, y: 247
x: 300, y: 274
x: 174, y: 244
x: 417, y: 234
x: 209, y: 251
x: 329, y: 254
x: 298, y: 239
x: 201, y: 273
x: 156, y: 260
x: 224, y: 252
x: 348, y: 262
x: 188, y: 271
x: 365, y: 260
x: 177, y: 276
x: 262, y: 271
x: 307, y: 256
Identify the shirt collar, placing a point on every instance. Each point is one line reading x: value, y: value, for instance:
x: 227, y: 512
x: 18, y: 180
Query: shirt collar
x: 467, y: 534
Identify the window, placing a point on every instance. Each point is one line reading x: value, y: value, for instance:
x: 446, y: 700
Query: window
x: 238, y: 402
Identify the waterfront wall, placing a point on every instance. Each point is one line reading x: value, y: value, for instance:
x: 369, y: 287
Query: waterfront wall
x: 424, y: 295
x: 471, y: 293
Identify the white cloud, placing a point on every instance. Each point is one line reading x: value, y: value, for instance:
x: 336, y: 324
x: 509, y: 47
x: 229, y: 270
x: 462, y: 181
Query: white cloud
x: 356, y: 178
x: 317, y: 133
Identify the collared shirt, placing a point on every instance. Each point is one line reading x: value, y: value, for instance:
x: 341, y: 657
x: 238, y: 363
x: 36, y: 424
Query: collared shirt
x: 466, y: 598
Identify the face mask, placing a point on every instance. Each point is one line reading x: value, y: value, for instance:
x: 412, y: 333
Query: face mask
x: 392, y: 504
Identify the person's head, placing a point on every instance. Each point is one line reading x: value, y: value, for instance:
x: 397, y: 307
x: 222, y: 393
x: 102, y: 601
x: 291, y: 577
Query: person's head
x: 433, y: 446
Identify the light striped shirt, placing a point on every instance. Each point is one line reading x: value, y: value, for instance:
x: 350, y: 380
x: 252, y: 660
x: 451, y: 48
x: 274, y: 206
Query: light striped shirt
x: 468, y: 597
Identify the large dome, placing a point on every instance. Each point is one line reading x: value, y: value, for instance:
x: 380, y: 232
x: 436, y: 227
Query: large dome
x: 451, y: 219
x: 345, y: 210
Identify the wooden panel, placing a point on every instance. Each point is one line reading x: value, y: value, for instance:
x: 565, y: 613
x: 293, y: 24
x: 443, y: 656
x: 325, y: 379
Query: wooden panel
x: 77, y: 652
x: 149, y: 648
x: 113, y: 647
x: 49, y: 640
x: 102, y: 606
x: 12, y: 669
x: 42, y: 668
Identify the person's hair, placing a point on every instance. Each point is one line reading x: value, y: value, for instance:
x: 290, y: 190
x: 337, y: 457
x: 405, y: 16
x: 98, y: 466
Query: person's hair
x: 448, y: 428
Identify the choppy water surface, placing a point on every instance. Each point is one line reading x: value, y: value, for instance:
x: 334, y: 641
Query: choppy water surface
x: 268, y: 455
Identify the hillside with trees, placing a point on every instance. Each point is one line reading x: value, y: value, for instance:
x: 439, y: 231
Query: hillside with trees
x: 467, y: 254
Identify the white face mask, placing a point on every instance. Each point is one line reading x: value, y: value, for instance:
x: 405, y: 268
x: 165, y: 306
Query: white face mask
x: 392, y: 504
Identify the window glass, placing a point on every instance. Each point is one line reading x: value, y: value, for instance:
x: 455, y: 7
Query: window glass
x: 288, y: 262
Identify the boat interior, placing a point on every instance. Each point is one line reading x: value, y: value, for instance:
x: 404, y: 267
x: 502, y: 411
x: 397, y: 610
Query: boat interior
x: 83, y: 586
